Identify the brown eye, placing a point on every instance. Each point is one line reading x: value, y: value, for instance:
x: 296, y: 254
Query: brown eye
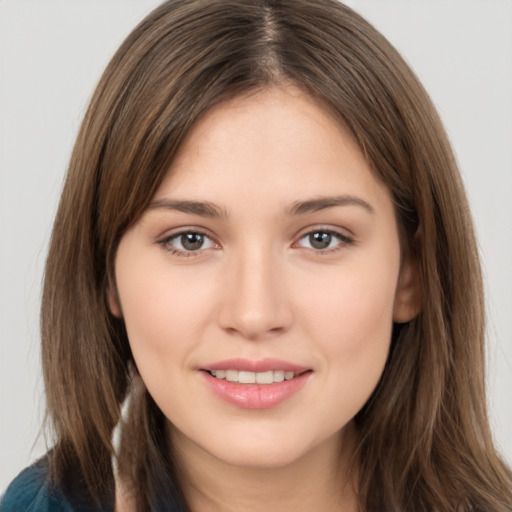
x: 320, y: 240
x: 324, y: 240
x: 187, y: 243
x: 192, y: 241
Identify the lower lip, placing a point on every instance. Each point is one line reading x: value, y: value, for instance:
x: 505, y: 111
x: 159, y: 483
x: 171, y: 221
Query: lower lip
x: 256, y: 396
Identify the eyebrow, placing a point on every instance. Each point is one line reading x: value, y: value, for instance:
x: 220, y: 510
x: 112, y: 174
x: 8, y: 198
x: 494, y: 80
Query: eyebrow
x: 211, y: 210
x: 322, y: 203
x: 202, y: 208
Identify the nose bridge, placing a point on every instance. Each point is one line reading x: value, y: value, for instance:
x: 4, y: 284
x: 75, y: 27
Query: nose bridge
x: 256, y: 303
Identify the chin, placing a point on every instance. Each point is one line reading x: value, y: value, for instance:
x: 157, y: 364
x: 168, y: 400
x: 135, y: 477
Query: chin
x: 264, y: 458
x: 269, y: 450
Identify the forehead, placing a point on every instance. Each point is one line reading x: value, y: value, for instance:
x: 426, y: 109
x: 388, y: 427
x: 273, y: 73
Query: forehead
x: 275, y: 144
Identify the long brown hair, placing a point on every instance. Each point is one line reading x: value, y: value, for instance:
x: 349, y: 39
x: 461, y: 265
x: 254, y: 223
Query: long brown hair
x: 424, y: 438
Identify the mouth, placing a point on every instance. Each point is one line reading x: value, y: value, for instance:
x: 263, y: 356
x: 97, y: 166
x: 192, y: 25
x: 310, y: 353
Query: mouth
x: 248, y: 377
x: 252, y: 384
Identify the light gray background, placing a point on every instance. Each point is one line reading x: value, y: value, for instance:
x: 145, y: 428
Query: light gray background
x: 51, y: 55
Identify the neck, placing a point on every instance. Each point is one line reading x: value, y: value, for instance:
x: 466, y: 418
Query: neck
x: 321, y: 479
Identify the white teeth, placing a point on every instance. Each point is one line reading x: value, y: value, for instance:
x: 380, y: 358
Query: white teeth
x: 245, y: 377
x: 232, y: 375
x: 279, y: 376
x: 265, y: 377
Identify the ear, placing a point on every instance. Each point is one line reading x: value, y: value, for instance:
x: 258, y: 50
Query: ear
x: 408, y: 293
x: 113, y: 300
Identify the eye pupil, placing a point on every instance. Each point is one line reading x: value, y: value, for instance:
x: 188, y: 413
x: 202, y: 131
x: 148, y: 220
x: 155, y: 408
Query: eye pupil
x: 192, y: 241
x: 320, y: 240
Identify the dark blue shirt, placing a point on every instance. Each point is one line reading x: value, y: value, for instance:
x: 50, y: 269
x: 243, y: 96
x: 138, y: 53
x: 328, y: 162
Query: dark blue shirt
x: 31, y: 491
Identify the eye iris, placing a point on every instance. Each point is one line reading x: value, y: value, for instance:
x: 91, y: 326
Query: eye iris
x: 192, y: 241
x: 320, y: 240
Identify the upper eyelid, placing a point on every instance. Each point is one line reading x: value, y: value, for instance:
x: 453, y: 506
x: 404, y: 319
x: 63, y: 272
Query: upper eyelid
x: 175, y: 232
x: 165, y: 241
x: 337, y: 230
x: 344, y: 239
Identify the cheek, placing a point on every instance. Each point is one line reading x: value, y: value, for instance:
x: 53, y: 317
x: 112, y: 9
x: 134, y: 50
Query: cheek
x: 352, y: 324
x: 356, y: 304
x: 352, y: 327
x: 164, y: 310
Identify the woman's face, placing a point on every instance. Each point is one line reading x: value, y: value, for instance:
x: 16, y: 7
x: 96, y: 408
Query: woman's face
x: 269, y: 252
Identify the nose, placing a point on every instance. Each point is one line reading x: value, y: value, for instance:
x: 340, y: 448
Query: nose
x: 255, y: 301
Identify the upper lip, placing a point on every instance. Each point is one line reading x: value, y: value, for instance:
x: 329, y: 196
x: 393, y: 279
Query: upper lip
x: 259, y: 365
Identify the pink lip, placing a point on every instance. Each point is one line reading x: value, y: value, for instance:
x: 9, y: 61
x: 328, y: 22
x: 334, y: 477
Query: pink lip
x: 256, y: 396
x: 261, y: 365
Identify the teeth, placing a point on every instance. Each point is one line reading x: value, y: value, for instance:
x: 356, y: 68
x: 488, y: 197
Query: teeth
x: 279, y: 376
x: 264, y: 377
x: 253, y: 377
x: 232, y: 375
x: 246, y: 377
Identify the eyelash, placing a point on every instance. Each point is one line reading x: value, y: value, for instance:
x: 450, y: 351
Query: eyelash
x: 343, y: 241
x: 166, y: 243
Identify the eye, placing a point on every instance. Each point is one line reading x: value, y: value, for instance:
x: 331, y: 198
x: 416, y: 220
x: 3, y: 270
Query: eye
x: 323, y: 240
x: 188, y: 242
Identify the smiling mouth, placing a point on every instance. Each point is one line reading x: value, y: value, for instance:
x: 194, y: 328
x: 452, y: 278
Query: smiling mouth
x: 255, y: 384
x: 247, y: 377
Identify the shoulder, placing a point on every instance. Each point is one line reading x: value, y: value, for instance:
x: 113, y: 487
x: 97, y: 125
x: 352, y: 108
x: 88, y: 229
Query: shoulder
x: 30, y: 491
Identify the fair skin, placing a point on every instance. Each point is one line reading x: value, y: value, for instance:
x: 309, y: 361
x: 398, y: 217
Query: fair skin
x: 270, y: 241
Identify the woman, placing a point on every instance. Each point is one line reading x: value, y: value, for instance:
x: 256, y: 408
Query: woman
x: 263, y: 247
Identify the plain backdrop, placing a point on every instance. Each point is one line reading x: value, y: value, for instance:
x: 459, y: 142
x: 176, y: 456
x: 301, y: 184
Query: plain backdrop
x: 51, y: 55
